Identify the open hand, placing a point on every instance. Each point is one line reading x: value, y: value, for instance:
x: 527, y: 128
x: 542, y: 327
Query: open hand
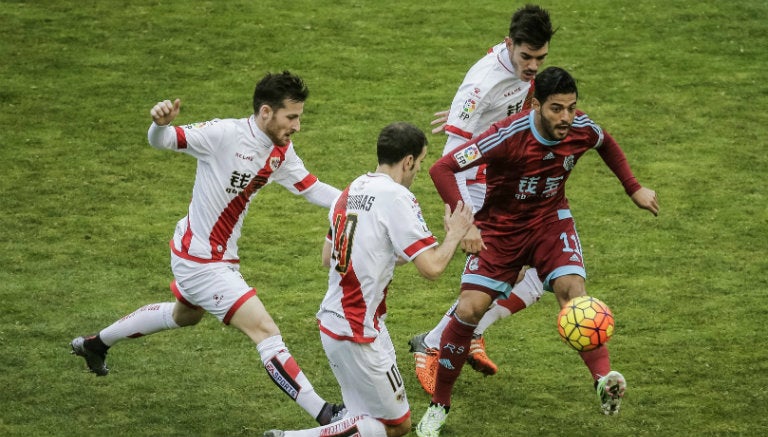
x: 442, y: 119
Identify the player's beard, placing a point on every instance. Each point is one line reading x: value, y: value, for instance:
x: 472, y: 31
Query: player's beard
x: 553, y: 131
x: 278, y: 135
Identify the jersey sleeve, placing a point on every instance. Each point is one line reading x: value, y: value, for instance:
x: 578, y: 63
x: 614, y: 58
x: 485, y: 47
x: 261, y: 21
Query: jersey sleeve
x: 407, y: 229
x: 616, y: 160
x: 293, y: 175
x: 467, y: 109
x: 462, y: 159
x: 200, y: 140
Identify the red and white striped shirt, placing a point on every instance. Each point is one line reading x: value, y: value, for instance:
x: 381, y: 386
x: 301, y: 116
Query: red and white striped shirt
x: 235, y: 159
x: 373, y: 222
x: 491, y: 91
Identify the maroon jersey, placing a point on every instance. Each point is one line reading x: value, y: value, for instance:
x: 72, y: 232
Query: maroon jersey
x: 526, y: 173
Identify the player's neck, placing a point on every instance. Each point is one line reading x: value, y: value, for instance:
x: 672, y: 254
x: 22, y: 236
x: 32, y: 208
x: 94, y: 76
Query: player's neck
x: 394, y: 172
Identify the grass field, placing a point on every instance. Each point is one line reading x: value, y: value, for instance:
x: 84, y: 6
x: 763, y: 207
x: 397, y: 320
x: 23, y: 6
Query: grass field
x: 87, y: 208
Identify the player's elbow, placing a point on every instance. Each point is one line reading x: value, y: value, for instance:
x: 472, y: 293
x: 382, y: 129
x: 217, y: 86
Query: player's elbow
x: 431, y: 263
x: 434, y: 171
x: 430, y: 271
x: 432, y: 276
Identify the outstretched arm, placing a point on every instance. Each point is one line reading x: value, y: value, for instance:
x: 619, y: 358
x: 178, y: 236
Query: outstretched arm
x: 321, y: 194
x: 614, y: 157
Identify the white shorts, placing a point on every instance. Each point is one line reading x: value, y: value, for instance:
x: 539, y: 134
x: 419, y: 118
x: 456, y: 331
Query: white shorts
x: 217, y: 287
x: 370, y: 381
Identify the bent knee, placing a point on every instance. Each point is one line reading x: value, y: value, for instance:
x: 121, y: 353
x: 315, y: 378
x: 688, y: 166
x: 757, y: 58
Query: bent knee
x: 186, y: 316
x: 472, y: 305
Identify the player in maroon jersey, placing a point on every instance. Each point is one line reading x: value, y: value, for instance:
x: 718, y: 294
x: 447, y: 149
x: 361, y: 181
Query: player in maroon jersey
x: 526, y: 220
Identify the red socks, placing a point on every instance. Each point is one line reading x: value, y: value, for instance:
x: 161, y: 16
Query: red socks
x: 454, y: 349
x: 598, y: 361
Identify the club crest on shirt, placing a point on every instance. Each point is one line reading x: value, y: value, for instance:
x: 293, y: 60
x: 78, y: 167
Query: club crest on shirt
x: 467, y: 155
x: 569, y: 162
x: 473, y: 263
x: 274, y: 162
x: 218, y: 298
x: 400, y: 396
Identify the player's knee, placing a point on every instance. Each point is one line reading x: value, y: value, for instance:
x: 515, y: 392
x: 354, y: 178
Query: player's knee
x: 567, y: 287
x: 472, y: 306
x: 185, y: 315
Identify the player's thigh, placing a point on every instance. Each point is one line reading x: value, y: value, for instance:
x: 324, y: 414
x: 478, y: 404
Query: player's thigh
x: 218, y: 288
x: 495, y: 269
x: 558, y: 252
x: 370, y: 381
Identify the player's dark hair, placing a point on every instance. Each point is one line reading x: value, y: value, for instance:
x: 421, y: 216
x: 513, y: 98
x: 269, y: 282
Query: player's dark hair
x: 553, y: 80
x: 398, y: 140
x: 275, y: 88
x: 531, y: 25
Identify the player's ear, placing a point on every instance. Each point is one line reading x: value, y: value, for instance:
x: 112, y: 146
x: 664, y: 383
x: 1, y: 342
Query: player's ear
x: 265, y: 111
x: 535, y: 104
x: 408, y: 162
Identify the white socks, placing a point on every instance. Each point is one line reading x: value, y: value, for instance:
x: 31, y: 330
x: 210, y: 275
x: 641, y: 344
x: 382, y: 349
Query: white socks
x: 144, y: 321
x: 285, y: 372
x: 433, y: 337
x: 365, y: 426
x: 495, y: 312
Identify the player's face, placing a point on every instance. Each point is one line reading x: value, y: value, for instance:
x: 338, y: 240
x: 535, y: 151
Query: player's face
x: 409, y: 174
x: 280, y: 124
x: 525, y: 59
x: 555, y: 116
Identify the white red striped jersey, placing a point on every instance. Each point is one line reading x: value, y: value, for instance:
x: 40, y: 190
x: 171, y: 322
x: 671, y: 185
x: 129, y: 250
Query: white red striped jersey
x: 491, y: 91
x: 374, y: 221
x: 235, y: 159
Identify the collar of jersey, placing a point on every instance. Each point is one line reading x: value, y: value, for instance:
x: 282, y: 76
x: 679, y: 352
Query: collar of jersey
x: 372, y: 174
x: 504, y: 60
x: 261, y: 138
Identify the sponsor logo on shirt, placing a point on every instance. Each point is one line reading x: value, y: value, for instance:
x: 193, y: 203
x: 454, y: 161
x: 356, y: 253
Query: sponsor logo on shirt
x: 510, y: 92
x: 514, y: 109
x: 238, y: 181
x: 245, y: 157
x: 467, y: 155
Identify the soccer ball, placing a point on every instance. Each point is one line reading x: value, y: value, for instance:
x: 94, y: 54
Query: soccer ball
x: 585, y: 323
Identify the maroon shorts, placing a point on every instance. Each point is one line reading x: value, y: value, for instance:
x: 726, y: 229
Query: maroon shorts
x: 552, y: 248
